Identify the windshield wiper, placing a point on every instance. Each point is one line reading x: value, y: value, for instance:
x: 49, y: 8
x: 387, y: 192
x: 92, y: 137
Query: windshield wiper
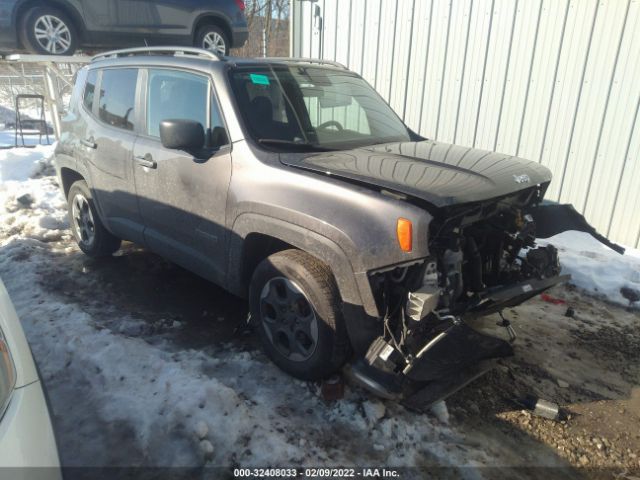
x: 292, y: 143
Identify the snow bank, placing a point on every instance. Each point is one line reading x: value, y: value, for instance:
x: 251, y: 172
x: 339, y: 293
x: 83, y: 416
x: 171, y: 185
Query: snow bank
x: 19, y: 164
x: 596, y: 268
x: 30, y: 207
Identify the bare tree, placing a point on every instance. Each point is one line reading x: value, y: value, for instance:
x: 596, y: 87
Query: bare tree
x: 273, y: 17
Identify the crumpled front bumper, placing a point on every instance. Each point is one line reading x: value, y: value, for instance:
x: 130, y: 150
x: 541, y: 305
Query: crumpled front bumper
x: 447, y: 362
x: 452, y: 353
x: 452, y: 356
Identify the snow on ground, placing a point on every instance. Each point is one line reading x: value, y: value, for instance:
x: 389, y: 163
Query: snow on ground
x: 596, y: 268
x: 31, y: 137
x: 124, y: 398
x: 127, y: 394
x: 185, y: 407
x: 30, y: 200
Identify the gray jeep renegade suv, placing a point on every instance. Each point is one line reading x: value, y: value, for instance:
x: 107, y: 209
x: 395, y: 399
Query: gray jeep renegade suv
x: 292, y: 183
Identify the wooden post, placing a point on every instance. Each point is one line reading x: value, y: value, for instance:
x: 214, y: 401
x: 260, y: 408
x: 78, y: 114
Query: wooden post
x: 51, y: 96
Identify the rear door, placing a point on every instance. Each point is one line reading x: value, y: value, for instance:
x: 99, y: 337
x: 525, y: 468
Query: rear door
x: 109, y: 140
x: 182, y: 197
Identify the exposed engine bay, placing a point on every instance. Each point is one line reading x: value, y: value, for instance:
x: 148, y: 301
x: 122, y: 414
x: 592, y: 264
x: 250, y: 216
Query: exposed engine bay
x: 483, y: 258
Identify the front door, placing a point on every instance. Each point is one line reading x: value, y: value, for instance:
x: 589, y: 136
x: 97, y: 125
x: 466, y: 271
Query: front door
x: 182, y: 196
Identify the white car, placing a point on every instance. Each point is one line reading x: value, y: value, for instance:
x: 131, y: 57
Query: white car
x: 26, y: 434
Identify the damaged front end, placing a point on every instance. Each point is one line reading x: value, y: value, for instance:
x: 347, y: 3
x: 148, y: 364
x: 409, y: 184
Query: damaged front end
x: 483, y: 258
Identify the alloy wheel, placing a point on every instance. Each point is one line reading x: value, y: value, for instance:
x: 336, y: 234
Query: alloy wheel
x: 52, y: 34
x: 213, y: 41
x: 84, y: 224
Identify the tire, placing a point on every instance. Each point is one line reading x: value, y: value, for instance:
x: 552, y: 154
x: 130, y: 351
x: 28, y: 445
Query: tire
x: 101, y: 243
x: 213, y: 33
x: 291, y: 270
x: 44, y: 18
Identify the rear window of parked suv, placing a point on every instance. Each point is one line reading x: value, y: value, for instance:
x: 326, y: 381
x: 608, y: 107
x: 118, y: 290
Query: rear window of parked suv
x: 89, y: 90
x: 118, y: 97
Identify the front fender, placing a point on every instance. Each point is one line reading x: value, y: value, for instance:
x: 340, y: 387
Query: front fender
x: 358, y: 305
x: 311, y: 242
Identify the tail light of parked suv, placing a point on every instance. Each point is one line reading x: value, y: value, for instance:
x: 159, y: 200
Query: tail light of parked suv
x: 7, y: 374
x: 240, y: 4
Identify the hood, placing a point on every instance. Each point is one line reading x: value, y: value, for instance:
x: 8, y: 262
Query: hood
x: 439, y: 173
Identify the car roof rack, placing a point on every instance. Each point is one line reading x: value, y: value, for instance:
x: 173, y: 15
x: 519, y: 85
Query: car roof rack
x: 175, y: 51
x: 305, y: 60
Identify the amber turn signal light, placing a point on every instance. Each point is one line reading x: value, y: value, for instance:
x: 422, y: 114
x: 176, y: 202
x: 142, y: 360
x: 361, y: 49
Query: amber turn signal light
x: 404, y: 230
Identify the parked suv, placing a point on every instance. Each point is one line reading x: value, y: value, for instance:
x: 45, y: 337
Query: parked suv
x: 293, y: 184
x: 59, y: 27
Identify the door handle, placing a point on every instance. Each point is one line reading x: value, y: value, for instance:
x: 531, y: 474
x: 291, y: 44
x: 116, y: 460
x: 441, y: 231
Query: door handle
x: 146, y: 161
x: 89, y: 143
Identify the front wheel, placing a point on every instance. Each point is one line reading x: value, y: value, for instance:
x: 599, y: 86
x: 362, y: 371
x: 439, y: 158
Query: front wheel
x: 296, y: 303
x: 92, y: 237
x: 211, y: 37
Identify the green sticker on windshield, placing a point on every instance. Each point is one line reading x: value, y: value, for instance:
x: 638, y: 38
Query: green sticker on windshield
x: 260, y: 79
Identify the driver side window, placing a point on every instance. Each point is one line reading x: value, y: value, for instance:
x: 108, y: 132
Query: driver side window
x: 177, y: 95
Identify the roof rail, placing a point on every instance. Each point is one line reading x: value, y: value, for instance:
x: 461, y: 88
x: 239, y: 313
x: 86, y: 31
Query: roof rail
x: 306, y: 60
x: 176, y: 51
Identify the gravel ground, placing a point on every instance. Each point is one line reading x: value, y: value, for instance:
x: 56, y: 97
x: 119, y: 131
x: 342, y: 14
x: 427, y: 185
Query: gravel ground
x: 589, y: 364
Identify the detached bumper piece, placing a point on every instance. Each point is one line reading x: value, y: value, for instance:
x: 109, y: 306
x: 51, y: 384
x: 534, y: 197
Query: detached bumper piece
x: 440, y: 389
x: 450, y: 359
x: 496, y: 299
x: 552, y: 219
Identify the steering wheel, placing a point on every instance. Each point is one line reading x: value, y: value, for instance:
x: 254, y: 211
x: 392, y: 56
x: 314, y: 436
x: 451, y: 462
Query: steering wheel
x: 330, y: 123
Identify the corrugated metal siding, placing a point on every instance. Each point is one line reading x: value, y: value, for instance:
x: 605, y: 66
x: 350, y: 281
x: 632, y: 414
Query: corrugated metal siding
x: 555, y: 81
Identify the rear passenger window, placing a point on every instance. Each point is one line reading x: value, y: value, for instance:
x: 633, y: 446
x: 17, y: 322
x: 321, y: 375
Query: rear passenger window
x: 117, y: 97
x: 89, y: 89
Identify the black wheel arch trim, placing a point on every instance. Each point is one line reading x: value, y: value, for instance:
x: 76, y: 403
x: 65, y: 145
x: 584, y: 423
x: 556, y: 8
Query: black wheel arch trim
x: 65, y: 162
x: 217, y: 19
x: 354, y: 288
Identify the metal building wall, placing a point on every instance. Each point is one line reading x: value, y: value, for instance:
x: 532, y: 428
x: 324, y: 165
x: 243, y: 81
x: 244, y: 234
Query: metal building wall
x: 555, y: 81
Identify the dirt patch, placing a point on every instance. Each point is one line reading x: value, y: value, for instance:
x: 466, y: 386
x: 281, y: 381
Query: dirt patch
x: 587, y: 364
x: 188, y: 309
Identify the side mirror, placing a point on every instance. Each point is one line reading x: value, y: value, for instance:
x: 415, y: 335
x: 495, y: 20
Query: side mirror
x: 182, y: 135
x: 219, y: 137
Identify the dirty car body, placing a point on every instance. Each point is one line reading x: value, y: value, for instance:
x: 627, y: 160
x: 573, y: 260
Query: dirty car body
x: 419, y: 237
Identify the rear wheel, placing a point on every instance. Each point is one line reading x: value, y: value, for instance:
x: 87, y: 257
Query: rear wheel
x: 92, y: 237
x: 48, y: 31
x: 295, y: 300
x: 211, y: 37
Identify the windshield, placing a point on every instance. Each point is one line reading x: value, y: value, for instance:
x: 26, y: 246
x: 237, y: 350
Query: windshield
x: 284, y: 106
